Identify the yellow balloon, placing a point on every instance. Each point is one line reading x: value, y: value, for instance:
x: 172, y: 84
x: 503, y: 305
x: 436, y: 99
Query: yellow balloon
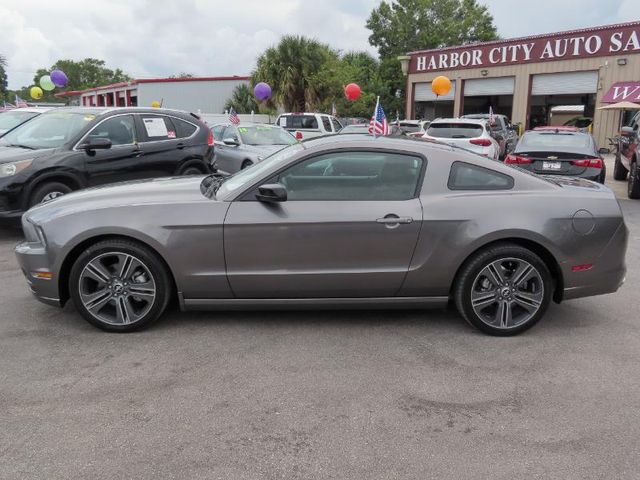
x: 441, y: 85
x: 155, y: 104
x: 36, y: 93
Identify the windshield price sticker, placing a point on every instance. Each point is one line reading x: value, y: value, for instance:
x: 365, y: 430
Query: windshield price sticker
x: 155, y: 127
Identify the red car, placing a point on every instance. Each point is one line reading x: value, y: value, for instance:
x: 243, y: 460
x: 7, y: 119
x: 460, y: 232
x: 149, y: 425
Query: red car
x: 627, y: 157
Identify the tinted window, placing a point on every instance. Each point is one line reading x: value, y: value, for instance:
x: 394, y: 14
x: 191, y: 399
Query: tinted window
x: 301, y: 121
x: 410, y: 127
x: 49, y: 130
x: 454, y: 130
x: 158, y: 127
x: 545, y: 140
x: 337, y: 126
x: 326, y: 123
x: 218, y: 132
x: 120, y: 130
x: 465, y: 176
x: 183, y: 129
x: 353, y: 176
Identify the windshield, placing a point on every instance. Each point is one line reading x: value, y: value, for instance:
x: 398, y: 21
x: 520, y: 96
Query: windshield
x: 8, y: 120
x: 454, y: 130
x: 532, y: 141
x: 265, y: 135
x: 49, y: 130
x: 248, y: 175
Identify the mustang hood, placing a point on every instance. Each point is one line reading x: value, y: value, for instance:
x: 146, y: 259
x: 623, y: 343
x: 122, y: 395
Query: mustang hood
x: 170, y: 191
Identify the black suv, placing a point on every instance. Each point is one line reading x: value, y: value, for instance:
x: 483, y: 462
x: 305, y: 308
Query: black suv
x: 71, y: 148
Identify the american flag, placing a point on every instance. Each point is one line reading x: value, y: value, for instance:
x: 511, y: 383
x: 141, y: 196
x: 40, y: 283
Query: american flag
x: 233, y: 116
x: 378, y: 124
x: 20, y: 103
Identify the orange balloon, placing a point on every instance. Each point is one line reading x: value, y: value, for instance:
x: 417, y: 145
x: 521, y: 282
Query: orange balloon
x: 441, y: 85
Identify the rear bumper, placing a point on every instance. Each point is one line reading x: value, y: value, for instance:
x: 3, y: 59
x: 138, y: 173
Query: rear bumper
x: 33, y: 259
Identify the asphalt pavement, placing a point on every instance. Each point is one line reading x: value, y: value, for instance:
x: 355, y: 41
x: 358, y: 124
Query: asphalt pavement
x: 321, y: 395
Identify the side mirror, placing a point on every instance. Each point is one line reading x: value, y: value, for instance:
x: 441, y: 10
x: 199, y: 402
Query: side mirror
x: 627, y: 132
x: 96, y: 144
x: 232, y: 142
x: 604, y: 151
x: 272, y: 193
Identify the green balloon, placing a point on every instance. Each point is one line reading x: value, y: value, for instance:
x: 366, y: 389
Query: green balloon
x: 46, y: 83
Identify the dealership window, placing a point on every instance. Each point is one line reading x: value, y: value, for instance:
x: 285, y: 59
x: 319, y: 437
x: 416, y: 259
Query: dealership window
x: 353, y: 176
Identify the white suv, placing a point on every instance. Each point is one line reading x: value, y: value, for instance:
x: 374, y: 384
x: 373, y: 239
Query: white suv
x: 308, y: 125
x: 473, y: 135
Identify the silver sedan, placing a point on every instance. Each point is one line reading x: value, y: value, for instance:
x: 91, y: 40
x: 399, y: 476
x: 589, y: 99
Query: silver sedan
x: 346, y: 221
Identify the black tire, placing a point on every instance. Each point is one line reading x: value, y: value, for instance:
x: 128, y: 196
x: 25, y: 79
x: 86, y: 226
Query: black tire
x: 246, y: 164
x: 192, y: 169
x: 603, y: 176
x: 471, y: 272
x: 148, y: 258
x: 41, y: 192
x: 619, y: 170
x: 633, y: 185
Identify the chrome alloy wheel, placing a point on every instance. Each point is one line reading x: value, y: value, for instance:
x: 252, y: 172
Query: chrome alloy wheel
x: 117, y: 288
x: 50, y: 196
x: 507, y: 292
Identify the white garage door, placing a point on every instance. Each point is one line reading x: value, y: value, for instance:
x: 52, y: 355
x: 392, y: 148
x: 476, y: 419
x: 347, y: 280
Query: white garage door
x: 565, y: 83
x: 424, y: 93
x: 480, y: 87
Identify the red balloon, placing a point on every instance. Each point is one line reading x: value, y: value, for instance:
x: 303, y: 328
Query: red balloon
x: 352, y: 91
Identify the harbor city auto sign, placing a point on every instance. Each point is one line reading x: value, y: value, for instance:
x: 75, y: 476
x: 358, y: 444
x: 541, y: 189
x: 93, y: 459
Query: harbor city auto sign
x: 619, y: 39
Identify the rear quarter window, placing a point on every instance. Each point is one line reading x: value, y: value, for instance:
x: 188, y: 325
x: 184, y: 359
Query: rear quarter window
x: 183, y: 129
x: 466, y: 176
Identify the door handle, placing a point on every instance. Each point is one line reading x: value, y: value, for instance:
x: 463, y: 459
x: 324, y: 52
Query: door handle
x: 137, y: 153
x: 180, y: 145
x: 394, y: 220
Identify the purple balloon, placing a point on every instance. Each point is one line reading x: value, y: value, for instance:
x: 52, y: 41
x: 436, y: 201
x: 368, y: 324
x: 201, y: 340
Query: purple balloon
x: 262, y: 91
x: 59, y: 78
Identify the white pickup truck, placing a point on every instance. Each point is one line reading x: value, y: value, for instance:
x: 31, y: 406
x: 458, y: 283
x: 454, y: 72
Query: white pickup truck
x: 308, y: 125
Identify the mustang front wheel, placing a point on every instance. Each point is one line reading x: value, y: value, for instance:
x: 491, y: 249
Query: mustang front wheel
x: 504, y: 290
x: 119, y: 286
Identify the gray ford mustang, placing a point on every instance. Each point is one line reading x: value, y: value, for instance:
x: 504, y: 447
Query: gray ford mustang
x: 345, y: 221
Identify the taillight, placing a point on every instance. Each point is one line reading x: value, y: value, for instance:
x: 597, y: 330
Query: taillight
x: 483, y: 142
x: 517, y: 159
x: 298, y: 135
x: 588, y: 162
x: 210, y: 140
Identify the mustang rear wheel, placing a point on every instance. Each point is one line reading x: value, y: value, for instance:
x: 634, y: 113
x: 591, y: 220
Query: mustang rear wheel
x: 119, y: 285
x: 504, y: 290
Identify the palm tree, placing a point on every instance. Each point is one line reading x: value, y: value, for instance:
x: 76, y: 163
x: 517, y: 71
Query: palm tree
x: 301, y: 72
x: 242, y: 100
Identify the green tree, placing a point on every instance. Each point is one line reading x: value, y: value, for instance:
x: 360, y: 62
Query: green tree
x: 407, y: 25
x: 242, y: 100
x: 3, y: 78
x: 87, y: 73
x: 303, y: 73
x: 361, y: 68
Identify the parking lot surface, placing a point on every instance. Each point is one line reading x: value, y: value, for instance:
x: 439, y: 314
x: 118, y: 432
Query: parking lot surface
x: 345, y: 394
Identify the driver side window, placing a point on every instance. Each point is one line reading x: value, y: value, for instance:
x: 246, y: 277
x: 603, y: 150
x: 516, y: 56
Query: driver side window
x: 354, y: 176
x: 232, y: 132
x: 120, y: 130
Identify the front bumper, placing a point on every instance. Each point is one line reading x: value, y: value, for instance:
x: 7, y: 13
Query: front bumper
x: 34, y: 263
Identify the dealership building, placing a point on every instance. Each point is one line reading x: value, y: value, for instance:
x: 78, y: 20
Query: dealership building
x: 193, y: 94
x: 537, y: 80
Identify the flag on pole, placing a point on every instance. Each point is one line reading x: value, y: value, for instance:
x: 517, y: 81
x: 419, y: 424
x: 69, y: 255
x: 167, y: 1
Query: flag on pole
x: 20, y: 103
x: 233, y: 116
x: 334, y: 110
x: 492, y: 117
x: 378, y: 124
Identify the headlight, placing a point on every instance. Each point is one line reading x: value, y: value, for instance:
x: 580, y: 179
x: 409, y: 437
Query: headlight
x: 33, y: 233
x: 9, y: 169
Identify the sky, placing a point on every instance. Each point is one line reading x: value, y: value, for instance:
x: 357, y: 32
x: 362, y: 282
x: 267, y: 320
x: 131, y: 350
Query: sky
x: 158, y: 38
